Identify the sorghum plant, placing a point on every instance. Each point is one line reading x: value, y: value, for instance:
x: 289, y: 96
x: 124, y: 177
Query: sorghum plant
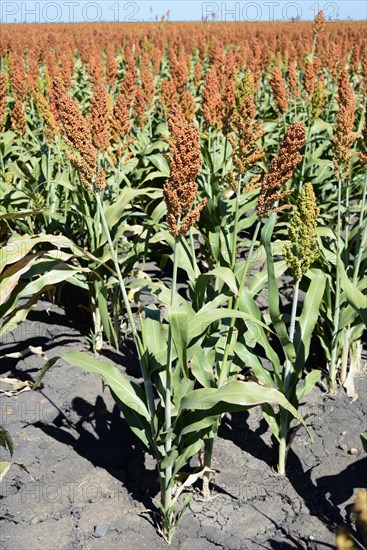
x: 169, y: 415
x: 343, y: 141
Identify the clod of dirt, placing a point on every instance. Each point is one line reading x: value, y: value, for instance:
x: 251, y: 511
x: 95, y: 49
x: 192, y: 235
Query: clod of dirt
x: 99, y: 531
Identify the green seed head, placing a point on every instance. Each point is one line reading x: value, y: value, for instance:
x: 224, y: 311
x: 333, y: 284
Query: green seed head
x: 244, y: 88
x: 302, y: 250
x: 317, y: 100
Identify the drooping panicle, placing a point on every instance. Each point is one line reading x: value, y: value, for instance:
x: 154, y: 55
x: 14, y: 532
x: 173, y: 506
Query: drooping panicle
x: 76, y: 133
x: 279, y: 90
x: 211, y: 99
x: 344, y: 137
x: 244, y: 138
x: 180, y: 190
x: 281, y: 169
x: 98, y: 119
x: 319, y: 24
x: 18, y: 121
x: 292, y: 78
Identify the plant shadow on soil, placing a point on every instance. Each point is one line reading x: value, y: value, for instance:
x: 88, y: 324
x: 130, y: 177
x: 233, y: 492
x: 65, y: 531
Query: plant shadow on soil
x: 112, y: 446
x: 322, y: 498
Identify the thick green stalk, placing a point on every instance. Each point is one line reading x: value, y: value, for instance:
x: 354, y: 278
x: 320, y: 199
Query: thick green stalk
x: 362, y: 232
x: 192, y: 250
x: 345, y: 352
x: 282, y: 452
x: 345, y: 356
x: 292, y: 327
x: 360, y: 246
x: 97, y: 321
x: 334, y: 347
x: 167, y: 495
x: 292, y: 324
x: 235, y: 230
x: 225, y: 154
x: 280, y: 328
x: 301, y: 181
x: 209, y: 443
x: 208, y: 453
x: 284, y: 417
x: 223, y: 371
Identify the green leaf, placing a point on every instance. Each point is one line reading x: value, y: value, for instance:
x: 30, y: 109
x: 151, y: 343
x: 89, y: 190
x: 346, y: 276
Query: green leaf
x: 6, y: 440
x: 237, y: 393
x: 154, y: 336
x: 260, y: 279
x: 273, y: 293
x: 9, y: 279
x: 114, y: 212
x: 17, y: 316
x: 251, y: 360
x: 137, y: 423
x: 201, y: 366
x: 160, y: 163
x: 258, y: 335
x: 178, y: 322
x: 50, y: 363
x: 20, y: 214
x: 128, y: 392
x: 5, y: 467
x: 19, y: 247
x: 226, y: 275
x: 353, y: 295
x: 271, y: 419
x: 364, y: 441
x: 200, y: 322
x: 308, y: 318
x: 308, y: 384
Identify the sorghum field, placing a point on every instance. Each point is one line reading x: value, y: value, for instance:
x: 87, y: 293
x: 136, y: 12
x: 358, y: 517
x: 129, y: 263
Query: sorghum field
x: 183, y: 285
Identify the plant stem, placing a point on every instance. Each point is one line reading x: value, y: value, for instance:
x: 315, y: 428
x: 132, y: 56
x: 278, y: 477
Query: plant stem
x: 98, y: 332
x: 282, y: 456
x: 360, y: 246
x: 208, y: 453
x: 304, y: 159
x: 334, y: 347
x: 345, y: 351
x: 167, y: 495
x: 362, y: 232
x: 209, y: 443
x: 225, y: 154
x: 284, y: 417
x: 192, y: 250
x: 235, y: 229
x: 292, y: 327
x: 223, y: 371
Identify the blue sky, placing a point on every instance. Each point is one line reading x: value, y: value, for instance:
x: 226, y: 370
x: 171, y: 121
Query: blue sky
x: 53, y: 11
